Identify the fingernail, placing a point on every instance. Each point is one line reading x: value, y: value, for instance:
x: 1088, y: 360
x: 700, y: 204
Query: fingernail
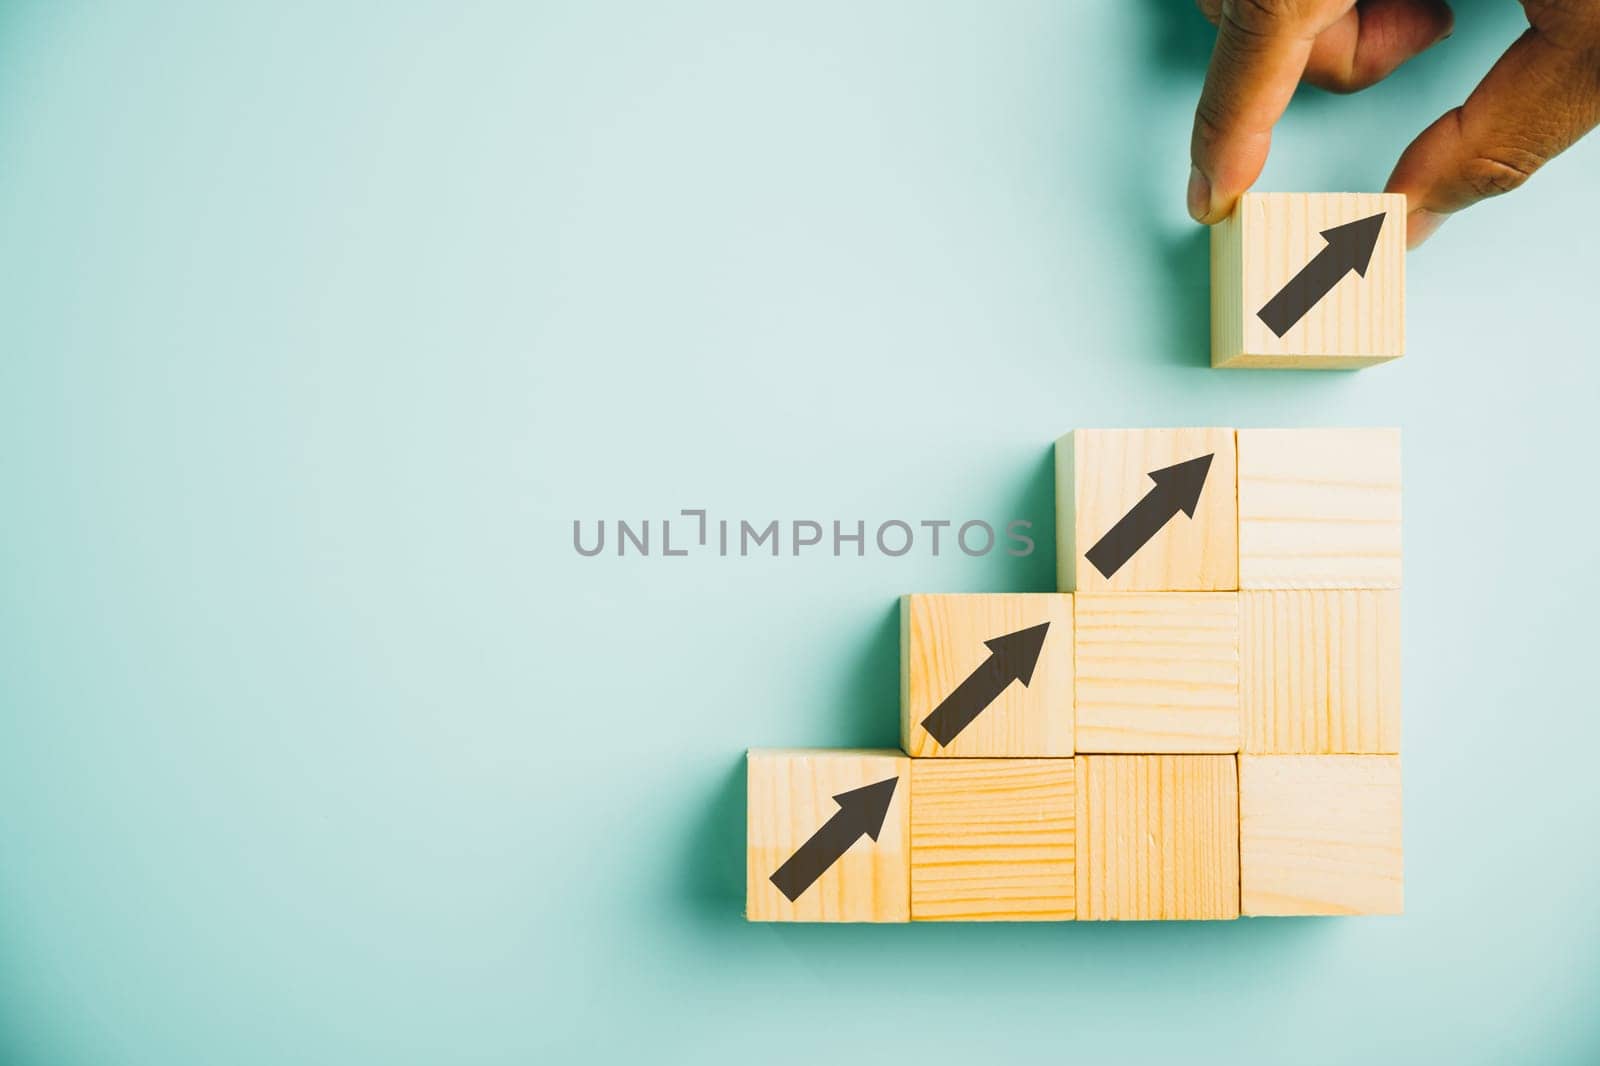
x: 1199, y: 194
x: 1420, y: 225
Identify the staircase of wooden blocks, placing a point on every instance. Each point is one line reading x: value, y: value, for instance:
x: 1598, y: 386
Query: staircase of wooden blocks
x: 1203, y: 722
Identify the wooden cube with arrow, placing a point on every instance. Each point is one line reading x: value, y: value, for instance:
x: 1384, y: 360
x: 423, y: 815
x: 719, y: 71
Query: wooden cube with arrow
x: 1309, y: 281
x: 828, y: 836
x: 986, y: 675
x: 1146, y: 510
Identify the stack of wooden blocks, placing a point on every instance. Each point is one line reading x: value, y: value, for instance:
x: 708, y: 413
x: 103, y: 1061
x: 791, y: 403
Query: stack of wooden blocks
x: 1204, y: 721
x: 1211, y: 730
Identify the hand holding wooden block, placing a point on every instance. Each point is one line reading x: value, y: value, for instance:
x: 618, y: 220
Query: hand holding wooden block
x: 828, y: 836
x: 1302, y: 280
x: 986, y: 674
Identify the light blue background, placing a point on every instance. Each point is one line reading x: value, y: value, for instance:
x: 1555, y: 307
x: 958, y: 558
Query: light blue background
x: 320, y: 323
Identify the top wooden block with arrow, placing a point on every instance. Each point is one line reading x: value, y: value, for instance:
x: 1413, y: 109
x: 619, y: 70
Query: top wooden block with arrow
x: 1309, y: 281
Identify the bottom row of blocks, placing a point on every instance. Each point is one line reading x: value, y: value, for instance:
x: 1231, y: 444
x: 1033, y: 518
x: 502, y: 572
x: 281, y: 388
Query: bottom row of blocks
x: 1094, y: 837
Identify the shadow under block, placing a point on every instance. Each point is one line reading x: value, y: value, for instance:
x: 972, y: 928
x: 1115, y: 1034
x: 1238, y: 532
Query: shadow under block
x: 792, y: 804
x: 992, y: 840
x: 1319, y: 508
x: 1157, y: 672
x: 953, y: 654
x: 1103, y: 475
x: 1279, y: 243
x: 1158, y: 837
x: 1320, y: 671
x: 1320, y: 834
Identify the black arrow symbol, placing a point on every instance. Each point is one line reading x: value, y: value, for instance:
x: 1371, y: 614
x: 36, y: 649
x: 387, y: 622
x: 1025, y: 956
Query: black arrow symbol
x: 1177, y: 489
x: 861, y: 813
x: 1349, y: 248
x: 1011, y: 658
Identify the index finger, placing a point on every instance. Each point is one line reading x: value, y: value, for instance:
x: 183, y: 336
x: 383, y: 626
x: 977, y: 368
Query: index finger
x: 1261, y: 52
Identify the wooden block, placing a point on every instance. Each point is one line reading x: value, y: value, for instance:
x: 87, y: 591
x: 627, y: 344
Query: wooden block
x: 1158, y: 837
x: 992, y: 840
x: 1320, y: 834
x: 1319, y: 508
x: 858, y: 840
x: 1309, y: 281
x: 977, y: 662
x: 1150, y: 488
x: 1320, y: 671
x: 1157, y: 672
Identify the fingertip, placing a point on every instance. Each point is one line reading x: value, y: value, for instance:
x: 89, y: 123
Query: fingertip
x: 1218, y: 210
x: 1429, y: 174
x: 1204, y: 204
x: 1443, y: 20
x: 1422, y: 224
x: 1198, y: 194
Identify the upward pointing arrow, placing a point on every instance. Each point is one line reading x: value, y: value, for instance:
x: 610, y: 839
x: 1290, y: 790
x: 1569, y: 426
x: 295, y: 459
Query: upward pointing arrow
x: 861, y: 813
x: 1177, y: 489
x: 1349, y: 248
x: 1011, y: 658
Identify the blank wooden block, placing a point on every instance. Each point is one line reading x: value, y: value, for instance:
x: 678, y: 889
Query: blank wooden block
x: 992, y: 840
x: 1347, y: 248
x: 1319, y: 508
x: 1104, y: 474
x: 1320, y: 670
x: 945, y: 640
x: 1320, y: 834
x: 1158, y: 837
x: 1157, y: 672
x: 792, y: 796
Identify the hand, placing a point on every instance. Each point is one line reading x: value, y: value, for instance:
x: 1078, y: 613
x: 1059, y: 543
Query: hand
x: 1540, y: 97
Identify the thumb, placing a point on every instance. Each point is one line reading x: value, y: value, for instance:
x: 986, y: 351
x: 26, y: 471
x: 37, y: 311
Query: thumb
x: 1538, y: 99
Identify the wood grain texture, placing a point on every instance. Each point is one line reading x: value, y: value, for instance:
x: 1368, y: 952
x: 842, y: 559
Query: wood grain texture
x: 1102, y: 473
x: 992, y: 840
x: 1158, y: 837
x: 1319, y: 508
x: 1320, y: 671
x: 1157, y: 672
x: 1265, y: 242
x: 942, y: 642
x: 1321, y: 834
x: 1227, y: 295
x: 790, y: 797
